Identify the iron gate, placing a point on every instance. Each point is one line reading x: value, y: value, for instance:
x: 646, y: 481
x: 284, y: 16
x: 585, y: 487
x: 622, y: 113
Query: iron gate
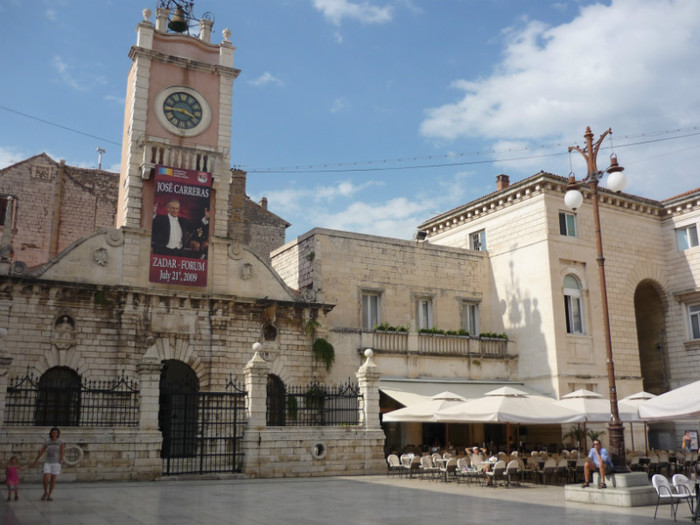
x: 202, y: 432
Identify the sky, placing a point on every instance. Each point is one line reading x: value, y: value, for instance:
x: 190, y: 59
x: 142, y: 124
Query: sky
x: 373, y: 116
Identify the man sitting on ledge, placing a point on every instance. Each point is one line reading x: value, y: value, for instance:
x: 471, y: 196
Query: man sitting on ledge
x: 598, y: 461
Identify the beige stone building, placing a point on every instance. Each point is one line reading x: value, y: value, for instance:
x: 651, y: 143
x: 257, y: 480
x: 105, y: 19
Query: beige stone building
x: 542, y: 261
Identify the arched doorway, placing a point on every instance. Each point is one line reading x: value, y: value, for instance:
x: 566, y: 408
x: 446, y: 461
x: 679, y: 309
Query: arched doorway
x: 58, y: 399
x: 276, y: 401
x: 653, y: 355
x: 177, y: 417
x: 651, y: 339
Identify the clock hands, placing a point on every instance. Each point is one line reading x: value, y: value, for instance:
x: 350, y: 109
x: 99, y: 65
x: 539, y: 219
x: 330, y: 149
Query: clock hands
x: 180, y: 110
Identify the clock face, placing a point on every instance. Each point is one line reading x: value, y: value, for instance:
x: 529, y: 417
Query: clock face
x: 182, y: 110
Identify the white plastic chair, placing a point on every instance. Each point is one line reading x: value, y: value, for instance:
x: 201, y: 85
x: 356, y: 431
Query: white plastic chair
x: 684, y: 486
x: 393, y: 465
x: 665, y: 492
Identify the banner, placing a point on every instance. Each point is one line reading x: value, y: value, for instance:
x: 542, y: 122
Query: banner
x: 180, y: 233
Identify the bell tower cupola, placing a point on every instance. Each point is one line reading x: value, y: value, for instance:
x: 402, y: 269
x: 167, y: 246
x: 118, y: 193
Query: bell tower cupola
x: 177, y: 112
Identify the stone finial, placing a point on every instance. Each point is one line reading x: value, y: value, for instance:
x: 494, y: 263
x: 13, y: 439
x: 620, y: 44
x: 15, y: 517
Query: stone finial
x: 227, y: 35
x: 146, y: 14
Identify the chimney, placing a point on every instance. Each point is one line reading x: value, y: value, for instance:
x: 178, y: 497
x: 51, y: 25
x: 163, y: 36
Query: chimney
x: 502, y: 182
x: 263, y: 203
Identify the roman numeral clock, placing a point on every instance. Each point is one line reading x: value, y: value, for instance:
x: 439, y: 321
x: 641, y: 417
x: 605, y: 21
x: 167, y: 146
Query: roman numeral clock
x: 182, y: 111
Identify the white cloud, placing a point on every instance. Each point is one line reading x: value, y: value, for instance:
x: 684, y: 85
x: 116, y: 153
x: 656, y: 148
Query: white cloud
x: 395, y: 218
x: 629, y: 66
x: 266, y: 79
x: 627, y: 63
x: 338, y: 105
x: 10, y: 155
x: 337, y: 10
x: 66, y: 74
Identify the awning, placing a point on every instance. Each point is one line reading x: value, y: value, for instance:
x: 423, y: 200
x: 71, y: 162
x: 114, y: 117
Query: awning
x: 412, y: 391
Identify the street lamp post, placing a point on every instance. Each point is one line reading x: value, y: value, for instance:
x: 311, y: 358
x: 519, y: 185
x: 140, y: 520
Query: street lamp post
x: 573, y: 199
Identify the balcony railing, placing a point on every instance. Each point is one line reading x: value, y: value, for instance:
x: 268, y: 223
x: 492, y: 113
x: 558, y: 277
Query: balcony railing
x: 434, y: 344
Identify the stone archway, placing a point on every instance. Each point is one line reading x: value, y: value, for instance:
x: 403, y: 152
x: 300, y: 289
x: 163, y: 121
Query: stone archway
x: 178, y: 413
x: 649, y: 310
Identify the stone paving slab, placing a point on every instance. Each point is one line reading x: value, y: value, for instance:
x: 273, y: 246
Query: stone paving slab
x: 310, y: 501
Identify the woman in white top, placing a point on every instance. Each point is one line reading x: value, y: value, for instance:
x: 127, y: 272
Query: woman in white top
x: 55, y: 450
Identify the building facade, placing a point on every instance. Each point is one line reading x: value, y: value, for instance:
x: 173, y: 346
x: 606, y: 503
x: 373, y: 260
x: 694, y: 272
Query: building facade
x: 165, y: 343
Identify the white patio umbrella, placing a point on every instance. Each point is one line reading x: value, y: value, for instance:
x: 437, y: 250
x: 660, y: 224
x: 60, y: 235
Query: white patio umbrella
x: 633, y: 403
x: 680, y: 403
x: 508, y: 405
x: 423, y: 412
x: 594, y: 408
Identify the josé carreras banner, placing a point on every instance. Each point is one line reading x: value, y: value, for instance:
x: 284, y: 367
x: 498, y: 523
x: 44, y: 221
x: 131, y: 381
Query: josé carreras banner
x: 180, y: 235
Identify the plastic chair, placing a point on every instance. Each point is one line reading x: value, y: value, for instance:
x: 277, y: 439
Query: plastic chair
x: 497, y: 473
x: 513, y: 469
x: 665, y: 492
x: 393, y: 465
x: 684, y: 486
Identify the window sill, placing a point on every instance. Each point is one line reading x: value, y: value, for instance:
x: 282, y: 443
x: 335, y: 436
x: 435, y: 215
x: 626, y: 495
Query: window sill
x: 692, y: 345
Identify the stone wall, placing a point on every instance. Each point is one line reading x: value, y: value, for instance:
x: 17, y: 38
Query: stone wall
x: 92, y: 454
x: 289, y: 452
x: 55, y: 205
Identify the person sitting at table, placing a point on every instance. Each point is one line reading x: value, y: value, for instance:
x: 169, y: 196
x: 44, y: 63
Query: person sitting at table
x: 598, y: 460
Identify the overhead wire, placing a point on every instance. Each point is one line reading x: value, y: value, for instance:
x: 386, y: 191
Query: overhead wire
x: 384, y: 164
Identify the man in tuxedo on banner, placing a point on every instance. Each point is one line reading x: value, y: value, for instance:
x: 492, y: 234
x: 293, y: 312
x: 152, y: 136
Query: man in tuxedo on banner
x: 169, y: 231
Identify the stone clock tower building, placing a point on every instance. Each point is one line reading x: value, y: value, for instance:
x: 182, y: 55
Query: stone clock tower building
x: 177, y: 114
x: 176, y: 311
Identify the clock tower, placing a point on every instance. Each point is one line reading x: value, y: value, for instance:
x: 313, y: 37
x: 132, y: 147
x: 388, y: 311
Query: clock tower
x: 177, y: 117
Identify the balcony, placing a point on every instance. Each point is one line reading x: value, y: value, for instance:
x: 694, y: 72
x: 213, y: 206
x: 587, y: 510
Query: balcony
x: 433, y: 344
x: 161, y: 152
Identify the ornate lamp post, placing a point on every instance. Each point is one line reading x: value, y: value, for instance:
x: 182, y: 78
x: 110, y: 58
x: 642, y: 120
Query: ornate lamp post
x: 573, y: 199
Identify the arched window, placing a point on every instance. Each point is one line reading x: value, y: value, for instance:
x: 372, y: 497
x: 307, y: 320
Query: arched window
x: 58, y: 399
x: 276, y: 401
x: 573, y: 305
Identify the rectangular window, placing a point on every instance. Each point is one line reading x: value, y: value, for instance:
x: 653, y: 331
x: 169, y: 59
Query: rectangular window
x: 574, y: 319
x: 477, y: 241
x: 470, y: 317
x: 5, y: 203
x: 370, y: 311
x: 424, y: 314
x: 687, y: 237
x: 567, y: 224
x: 694, y: 317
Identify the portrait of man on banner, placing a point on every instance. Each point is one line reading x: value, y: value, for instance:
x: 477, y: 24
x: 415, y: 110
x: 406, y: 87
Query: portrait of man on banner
x: 180, y: 230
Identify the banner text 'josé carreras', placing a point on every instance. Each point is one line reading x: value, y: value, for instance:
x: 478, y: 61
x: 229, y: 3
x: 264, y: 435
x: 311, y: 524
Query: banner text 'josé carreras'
x: 180, y: 234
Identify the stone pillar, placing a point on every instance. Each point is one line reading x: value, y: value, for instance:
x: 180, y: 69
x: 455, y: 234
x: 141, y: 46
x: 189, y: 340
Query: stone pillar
x: 205, y: 30
x: 149, y: 393
x: 368, y: 381
x: 5, y: 362
x: 256, y: 371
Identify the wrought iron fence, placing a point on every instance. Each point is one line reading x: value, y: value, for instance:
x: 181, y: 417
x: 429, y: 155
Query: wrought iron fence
x: 315, y: 404
x: 65, y: 402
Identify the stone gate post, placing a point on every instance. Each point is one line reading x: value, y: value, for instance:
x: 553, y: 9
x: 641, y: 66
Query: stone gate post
x: 5, y: 362
x: 149, y: 393
x: 256, y: 371
x: 368, y: 381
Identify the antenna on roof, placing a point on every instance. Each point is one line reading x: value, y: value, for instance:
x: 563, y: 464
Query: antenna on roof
x: 100, y: 151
